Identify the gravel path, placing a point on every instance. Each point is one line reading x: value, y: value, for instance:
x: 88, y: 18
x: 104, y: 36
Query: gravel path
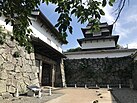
x: 80, y: 95
x: 125, y: 95
x: 25, y: 99
x: 68, y: 95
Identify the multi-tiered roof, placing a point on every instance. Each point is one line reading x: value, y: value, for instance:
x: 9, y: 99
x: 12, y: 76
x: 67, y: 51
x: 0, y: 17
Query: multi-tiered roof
x: 102, y: 39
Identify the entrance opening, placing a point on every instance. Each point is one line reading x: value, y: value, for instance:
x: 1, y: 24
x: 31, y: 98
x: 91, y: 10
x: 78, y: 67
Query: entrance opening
x: 46, y: 75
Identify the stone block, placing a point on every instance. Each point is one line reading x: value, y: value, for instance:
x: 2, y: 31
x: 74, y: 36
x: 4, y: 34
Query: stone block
x: 27, y: 68
x: 1, y: 98
x: 33, y: 62
x: 20, y: 82
x: 1, y: 60
x: 22, y: 53
x: 11, y: 74
x: 30, y: 93
x: 3, y: 74
x: 32, y: 76
x: 26, y: 61
x: 22, y: 88
x: 2, y: 86
x: 10, y: 43
x: 30, y: 62
x: 18, y: 69
x: 6, y: 95
x: 18, y: 47
x: 32, y: 56
x: 8, y: 66
x: 14, y: 61
x: 2, y: 50
x: 14, y: 50
x: 8, y: 82
x: 27, y: 81
x: 35, y: 69
x: 4, y: 56
x: 18, y: 76
x: 11, y: 89
x: 23, y: 60
x: 26, y: 75
x: 19, y: 62
x: 15, y: 83
x: 27, y: 56
x: 7, y: 49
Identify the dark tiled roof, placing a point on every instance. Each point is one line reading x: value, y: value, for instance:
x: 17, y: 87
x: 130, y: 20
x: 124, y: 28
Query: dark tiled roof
x: 47, y: 23
x: 98, y: 38
x: 100, y: 51
x: 101, y: 26
x: 53, y: 29
x: 43, y: 48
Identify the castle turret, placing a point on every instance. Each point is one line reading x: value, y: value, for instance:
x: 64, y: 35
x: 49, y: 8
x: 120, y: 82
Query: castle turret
x: 102, y: 39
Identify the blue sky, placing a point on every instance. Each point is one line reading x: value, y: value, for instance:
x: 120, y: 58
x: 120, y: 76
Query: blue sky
x: 125, y: 27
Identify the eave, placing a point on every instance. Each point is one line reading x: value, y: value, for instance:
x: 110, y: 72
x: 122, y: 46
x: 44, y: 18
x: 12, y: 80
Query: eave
x: 100, y: 51
x: 98, y: 38
x: 46, y: 22
x: 134, y: 54
x: 110, y: 27
x: 43, y: 48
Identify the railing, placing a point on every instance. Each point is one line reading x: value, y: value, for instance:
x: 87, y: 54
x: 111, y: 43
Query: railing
x: 99, y: 85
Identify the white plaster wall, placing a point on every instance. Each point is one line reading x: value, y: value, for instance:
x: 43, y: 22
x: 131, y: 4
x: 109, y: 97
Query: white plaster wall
x: 98, y: 55
x: 38, y: 31
x: 98, y: 44
x: 44, y: 35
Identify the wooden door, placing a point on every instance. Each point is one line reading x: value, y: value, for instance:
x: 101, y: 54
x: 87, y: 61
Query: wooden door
x: 46, y: 74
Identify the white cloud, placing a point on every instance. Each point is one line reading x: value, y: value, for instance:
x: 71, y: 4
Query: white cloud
x: 131, y: 18
x: 131, y: 14
x: 125, y: 26
x: 109, y: 18
x: 119, y: 30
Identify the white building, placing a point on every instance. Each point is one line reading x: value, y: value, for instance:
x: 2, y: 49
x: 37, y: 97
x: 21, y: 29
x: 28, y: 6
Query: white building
x: 47, y: 44
x: 101, y: 44
x: 99, y: 58
x: 113, y: 53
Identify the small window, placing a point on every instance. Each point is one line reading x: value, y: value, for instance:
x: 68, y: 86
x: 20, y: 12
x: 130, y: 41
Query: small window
x: 97, y: 33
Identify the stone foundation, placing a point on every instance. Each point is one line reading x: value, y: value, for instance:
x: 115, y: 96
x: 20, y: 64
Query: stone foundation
x: 16, y: 72
x: 135, y: 75
x: 101, y: 71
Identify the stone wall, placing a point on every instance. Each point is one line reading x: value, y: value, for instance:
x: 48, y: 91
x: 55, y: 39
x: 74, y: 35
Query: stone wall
x: 135, y: 75
x: 99, y: 71
x: 17, y: 67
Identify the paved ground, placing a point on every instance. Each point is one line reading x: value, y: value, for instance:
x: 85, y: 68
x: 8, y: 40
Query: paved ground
x: 125, y: 95
x: 25, y: 99
x: 68, y: 95
x: 81, y: 95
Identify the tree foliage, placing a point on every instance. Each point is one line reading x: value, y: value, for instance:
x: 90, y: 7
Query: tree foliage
x: 74, y: 49
x: 17, y: 12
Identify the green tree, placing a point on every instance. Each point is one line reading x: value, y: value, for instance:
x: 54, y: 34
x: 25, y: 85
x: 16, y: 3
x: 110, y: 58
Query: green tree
x: 17, y: 12
x: 74, y: 49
